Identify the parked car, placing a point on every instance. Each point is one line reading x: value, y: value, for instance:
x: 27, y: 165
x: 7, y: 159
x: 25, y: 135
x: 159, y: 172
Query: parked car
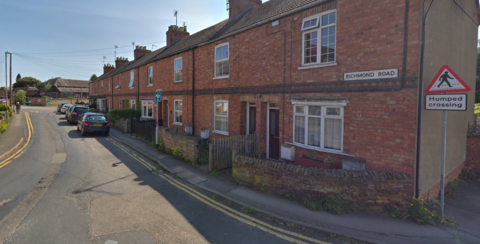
x: 93, y: 123
x: 76, y: 112
x: 67, y: 112
x: 28, y: 103
x: 64, y: 108
x: 60, y: 106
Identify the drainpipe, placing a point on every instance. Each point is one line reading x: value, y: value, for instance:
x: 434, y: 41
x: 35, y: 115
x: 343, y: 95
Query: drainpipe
x: 193, y: 91
x: 420, y: 102
x: 138, y: 84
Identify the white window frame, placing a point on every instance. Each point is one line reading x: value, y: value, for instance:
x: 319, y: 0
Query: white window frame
x: 221, y: 60
x: 102, y: 86
x: 119, y: 86
x: 215, y: 117
x: 318, y: 29
x: 150, y: 76
x: 109, y: 104
x: 309, y: 19
x: 175, y: 112
x: 109, y: 84
x: 175, y: 70
x: 132, y: 79
x: 145, y: 105
x: 323, y: 116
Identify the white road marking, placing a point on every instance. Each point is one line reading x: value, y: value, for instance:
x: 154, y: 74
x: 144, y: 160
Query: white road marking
x: 111, y: 242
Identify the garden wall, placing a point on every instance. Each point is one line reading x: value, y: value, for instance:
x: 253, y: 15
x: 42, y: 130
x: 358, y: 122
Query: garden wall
x: 123, y: 125
x: 189, y: 145
x: 370, y: 189
x: 473, y: 153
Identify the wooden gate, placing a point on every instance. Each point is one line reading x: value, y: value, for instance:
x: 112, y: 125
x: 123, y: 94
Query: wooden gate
x: 220, y: 149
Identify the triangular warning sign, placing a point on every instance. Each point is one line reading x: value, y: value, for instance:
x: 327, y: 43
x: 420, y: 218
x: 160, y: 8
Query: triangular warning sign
x: 447, y: 81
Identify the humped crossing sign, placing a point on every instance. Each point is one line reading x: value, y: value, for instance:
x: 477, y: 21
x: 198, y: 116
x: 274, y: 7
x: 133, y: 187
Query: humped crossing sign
x: 447, y: 81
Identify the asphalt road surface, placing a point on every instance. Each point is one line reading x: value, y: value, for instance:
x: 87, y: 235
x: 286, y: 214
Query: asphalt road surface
x: 65, y: 188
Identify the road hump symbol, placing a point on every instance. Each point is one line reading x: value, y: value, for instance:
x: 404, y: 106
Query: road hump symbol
x: 447, y: 81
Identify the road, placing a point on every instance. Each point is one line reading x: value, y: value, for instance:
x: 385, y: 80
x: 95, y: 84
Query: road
x: 66, y: 188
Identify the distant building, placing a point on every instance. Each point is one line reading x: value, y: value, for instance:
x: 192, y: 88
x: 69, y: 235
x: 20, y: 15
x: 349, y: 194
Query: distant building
x: 64, y: 88
x: 30, y: 91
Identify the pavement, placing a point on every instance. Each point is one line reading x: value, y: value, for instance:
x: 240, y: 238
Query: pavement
x: 361, y: 226
x: 12, y: 138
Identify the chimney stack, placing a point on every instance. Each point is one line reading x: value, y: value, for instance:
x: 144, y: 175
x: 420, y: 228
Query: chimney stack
x: 235, y: 7
x: 174, y: 33
x: 107, y: 68
x: 120, y: 61
x: 140, y: 51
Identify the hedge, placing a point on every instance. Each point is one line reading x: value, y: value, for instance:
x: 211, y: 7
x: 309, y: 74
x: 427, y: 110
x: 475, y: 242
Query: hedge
x: 3, y: 107
x: 125, y: 113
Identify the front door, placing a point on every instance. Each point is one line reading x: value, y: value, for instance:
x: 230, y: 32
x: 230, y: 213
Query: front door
x: 252, y: 115
x: 274, y: 134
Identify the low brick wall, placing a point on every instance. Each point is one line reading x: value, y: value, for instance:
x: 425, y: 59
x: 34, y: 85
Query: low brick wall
x: 473, y: 153
x: 187, y: 144
x: 370, y: 189
x: 123, y: 125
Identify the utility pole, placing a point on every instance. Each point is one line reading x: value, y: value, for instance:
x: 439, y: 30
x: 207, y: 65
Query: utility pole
x: 6, y: 80
x: 11, y: 92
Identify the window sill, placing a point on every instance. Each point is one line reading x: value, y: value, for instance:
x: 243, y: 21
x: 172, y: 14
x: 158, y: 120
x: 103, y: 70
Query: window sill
x: 179, y: 81
x: 314, y: 66
x: 176, y: 123
x: 146, y: 117
x: 150, y: 85
x: 319, y: 149
x: 221, y: 77
x: 220, y: 132
x: 131, y: 87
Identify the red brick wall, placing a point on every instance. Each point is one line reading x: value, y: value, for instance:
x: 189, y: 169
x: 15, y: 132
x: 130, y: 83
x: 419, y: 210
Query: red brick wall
x: 378, y: 126
x: 473, y: 154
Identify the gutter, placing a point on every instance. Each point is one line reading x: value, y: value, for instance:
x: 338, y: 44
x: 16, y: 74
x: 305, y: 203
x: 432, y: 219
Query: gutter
x: 420, y: 101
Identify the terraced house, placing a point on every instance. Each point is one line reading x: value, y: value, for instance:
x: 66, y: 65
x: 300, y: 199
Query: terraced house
x: 333, y: 78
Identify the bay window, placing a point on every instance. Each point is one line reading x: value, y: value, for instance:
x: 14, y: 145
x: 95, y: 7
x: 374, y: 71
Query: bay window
x: 318, y: 126
x: 147, y: 109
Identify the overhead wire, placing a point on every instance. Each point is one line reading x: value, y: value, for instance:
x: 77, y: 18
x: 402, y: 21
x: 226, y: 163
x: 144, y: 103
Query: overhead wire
x: 54, y: 68
x: 68, y: 66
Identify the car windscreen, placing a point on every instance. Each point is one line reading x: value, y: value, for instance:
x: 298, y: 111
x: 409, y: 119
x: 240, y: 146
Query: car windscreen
x: 96, y: 118
x: 81, y: 110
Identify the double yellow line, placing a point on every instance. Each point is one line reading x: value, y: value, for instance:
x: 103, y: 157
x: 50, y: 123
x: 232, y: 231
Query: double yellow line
x: 22, y: 150
x: 276, y: 231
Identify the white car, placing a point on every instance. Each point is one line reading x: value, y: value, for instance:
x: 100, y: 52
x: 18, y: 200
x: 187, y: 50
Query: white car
x: 64, y: 108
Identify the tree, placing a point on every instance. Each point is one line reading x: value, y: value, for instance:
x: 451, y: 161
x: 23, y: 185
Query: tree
x: 21, y: 97
x: 2, y: 88
x: 27, y: 82
x: 93, y: 77
x: 47, y: 88
x: 18, y: 77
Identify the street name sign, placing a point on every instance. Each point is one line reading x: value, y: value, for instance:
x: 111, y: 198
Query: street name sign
x: 158, y: 97
x: 371, y: 74
x: 447, y: 81
x: 446, y: 102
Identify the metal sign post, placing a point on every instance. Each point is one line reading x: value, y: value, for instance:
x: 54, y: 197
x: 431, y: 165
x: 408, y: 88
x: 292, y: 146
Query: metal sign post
x: 446, y: 81
x: 158, y: 98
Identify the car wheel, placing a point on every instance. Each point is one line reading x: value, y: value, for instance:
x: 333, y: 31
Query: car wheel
x: 82, y: 133
x: 78, y: 128
x: 70, y: 122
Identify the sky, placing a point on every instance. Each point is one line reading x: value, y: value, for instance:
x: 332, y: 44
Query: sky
x: 53, y: 38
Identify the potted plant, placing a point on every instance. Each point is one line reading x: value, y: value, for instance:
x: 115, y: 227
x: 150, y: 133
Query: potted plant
x: 309, y: 161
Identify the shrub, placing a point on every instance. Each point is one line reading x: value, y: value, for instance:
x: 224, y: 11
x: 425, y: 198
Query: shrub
x: 125, y: 113
x: 332, y: 204
x: 477, y: 108
x: 178, y: 154
x: 3, y: 107
x: 3, y: 125
x: 420, y: 213
x: 168, y: 150
x: 161, y: 145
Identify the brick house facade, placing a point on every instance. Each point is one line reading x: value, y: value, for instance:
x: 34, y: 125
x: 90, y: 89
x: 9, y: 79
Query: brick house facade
x: 262, y: 71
